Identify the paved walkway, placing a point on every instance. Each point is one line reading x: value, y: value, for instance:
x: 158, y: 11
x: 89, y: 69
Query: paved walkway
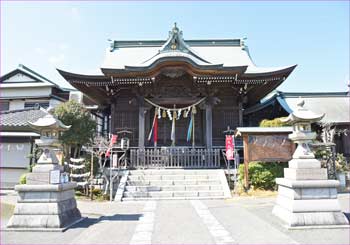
x: 233, y: 221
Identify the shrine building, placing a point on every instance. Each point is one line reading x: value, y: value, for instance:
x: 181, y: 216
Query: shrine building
x: 177, y: 94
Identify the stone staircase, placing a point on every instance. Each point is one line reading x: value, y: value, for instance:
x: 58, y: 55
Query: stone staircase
x: 175, y: 184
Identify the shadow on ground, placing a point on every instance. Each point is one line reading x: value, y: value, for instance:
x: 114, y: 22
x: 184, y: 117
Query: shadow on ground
x: 89, y: 221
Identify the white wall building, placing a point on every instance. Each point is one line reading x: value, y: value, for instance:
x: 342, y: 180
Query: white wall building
x: 22, y: 92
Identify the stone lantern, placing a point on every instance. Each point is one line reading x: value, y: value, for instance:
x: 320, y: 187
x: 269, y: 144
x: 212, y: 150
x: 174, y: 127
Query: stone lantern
x: 50, y: 129
x: 46, y: 201
x: 306, y: 197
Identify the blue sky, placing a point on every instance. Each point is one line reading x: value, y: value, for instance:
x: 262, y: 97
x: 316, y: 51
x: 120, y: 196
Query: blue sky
x: 73, y: 35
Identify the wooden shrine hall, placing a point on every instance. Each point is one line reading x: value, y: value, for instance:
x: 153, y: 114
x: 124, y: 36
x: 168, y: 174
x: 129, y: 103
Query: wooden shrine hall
x: 177, y: 96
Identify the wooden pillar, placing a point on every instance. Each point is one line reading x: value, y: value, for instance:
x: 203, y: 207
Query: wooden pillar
x: 240, y: 113
x: 103, y: 129
x: 209, y: 125
x: 113, y: 114
x: 141, y: 122
x: 246, y: 161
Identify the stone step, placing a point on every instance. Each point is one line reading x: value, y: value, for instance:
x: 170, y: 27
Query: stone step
x: 172, y: 182
x: 173, y: 172
x: 126, y: 199
x: 172, y: 177
x: 175, y: 188
x: 170, y: 194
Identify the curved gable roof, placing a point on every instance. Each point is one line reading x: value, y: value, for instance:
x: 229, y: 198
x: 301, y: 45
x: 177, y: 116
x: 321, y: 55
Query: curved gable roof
x: 144, y: 53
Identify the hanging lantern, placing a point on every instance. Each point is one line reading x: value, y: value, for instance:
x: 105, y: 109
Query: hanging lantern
x: 174, y: 114
x: 164, y: 114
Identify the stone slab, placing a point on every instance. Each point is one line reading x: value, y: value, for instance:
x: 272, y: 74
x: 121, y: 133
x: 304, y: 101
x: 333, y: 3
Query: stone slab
x: 307, y: 193
x: 311, y: 205
x: 46, y: 168
x: 45, y: 208
x: 44, y: 196
x: 210, y: 193
x: 38, y: 178
x: 307, y: 183
x: 62, y: 229
x: 304, y: 163
x: 48, y: 187
x: 122, y: 185
x: 309, y: 218
x: 305, y: 174
x: 44, y: 220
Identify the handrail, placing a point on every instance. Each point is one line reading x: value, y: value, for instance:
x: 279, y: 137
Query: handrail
x: 175, y: 157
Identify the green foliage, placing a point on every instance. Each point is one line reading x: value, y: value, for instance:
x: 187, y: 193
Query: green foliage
x: 82, y: 125
x: 23, y: 179
x: 262, y: 175
x: 30, y: 168
x: 322, y: 154
x: 99, y: 196
x: 340, y: 163
x: 273, y: 123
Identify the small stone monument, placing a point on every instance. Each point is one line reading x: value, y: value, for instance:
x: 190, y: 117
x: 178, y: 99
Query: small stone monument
x: 47, y: 200
x: 306, y: 197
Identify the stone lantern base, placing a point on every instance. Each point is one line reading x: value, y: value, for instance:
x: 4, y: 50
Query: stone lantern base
x: 306, y: 197
x: 45, y: 207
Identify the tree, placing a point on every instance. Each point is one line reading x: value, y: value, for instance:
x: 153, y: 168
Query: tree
x: 82, y: 130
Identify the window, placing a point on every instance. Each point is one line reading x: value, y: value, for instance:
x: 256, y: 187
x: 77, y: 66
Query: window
x: 44, y: 104
x: 4, y: 105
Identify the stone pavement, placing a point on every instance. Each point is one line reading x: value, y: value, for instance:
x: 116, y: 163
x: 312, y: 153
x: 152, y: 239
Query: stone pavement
x: 234, y: 221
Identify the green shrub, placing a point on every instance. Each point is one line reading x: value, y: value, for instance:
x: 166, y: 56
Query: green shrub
x: 23, y: 179
x: 340, y: 163
x: 262, y: 175
x: 97, y: 192
x: 273, y: 123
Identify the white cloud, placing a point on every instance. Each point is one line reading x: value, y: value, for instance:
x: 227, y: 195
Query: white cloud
x: 56, y: 59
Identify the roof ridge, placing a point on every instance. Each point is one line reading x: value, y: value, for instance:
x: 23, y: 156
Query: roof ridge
x: 25, y: 68
x: 191, y: 42
x: 325, y: 94
x: 20, y: 110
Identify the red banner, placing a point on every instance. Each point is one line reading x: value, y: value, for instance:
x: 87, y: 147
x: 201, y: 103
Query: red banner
x: 230, y: 147
x: 112, y: 142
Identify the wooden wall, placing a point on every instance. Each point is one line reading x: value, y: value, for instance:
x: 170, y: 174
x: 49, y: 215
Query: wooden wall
x: 225, y: 112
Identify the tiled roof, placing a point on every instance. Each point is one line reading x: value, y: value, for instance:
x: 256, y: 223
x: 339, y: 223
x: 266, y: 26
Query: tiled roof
x: 224, y: 52
x: 19, y: 118
x: 335, y: 105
